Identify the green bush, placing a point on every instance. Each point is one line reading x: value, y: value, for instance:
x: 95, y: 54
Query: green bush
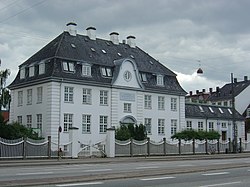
x: 193, y: 134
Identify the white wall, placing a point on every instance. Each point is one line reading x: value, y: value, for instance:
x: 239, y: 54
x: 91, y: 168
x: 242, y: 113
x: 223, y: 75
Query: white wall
x: 242, y: 100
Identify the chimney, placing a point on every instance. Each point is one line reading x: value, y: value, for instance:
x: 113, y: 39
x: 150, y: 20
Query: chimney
x: 131, y: 41
x: 235, y: 80
x: 197, y: 92
x: 190, y: 93
x: 211, y: 90
x: 217, y: 89
x: 203, y: 90
x: 114, y: 38
x: 91, y: 33
x: 71, y: 28
x: 245, y: 78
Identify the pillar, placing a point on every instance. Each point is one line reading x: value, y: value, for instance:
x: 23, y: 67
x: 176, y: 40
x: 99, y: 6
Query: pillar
x: 110, y: 142
x: 73, y: 137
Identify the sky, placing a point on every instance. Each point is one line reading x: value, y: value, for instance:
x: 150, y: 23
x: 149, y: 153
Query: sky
x: 184, y: 35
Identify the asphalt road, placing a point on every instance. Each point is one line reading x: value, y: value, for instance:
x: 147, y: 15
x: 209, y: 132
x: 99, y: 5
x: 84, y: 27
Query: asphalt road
x: 93, y: 173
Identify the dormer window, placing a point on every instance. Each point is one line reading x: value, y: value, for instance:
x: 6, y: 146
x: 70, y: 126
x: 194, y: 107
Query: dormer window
x: 22, y: 73
x: 248, y: 112
x: 86, y: 70
x: 31, y: 71
x: 106, y: 72
x: 41, y: 68
x: 68, y: 66
x: 143, y: 77
x: 159, y: 80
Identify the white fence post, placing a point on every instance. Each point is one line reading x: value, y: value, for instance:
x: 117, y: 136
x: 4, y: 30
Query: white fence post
x: 110, y: 142
x: 73, y: 138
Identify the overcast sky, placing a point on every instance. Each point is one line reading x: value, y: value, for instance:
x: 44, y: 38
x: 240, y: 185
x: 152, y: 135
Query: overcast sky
x: 182, y: 34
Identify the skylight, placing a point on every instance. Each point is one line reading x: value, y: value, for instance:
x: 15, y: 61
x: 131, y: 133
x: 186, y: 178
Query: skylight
x: 119, y: 54
x: 211, y: 110
x: 73, y: 45
x: 221, y: 111
x: 104, y: 51
x: 132, y: 56
x: 92, y: 49
x: 201, y: 109
x: 229, y: 110
x: 151, y: 62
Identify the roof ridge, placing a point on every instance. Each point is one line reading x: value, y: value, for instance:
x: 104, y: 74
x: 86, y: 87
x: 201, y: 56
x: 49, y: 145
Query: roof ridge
x: 59, y: 44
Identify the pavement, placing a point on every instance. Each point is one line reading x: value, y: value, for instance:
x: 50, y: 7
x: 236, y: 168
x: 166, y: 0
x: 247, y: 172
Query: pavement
x: 93, y: 160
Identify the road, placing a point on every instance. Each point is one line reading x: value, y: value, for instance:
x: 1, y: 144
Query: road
x: 135, y: 172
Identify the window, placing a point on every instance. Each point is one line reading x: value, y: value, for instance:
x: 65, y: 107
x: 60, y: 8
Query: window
x: 160, y: 80
x: 103, y: 123
x: 67, y: 122
x: 68, y: 94
x: 210, y: 126
x: 147, y: 122
x: 29, y: 96
x: 229, y: 110
x: 103, y: 97
x: 39, y: 94
x: 20, y: 119
x: 20, y: 98
x: 29, y: 121
x: 127, y: 75
x: 106, y: 72
x: 22, y: 73
x: 41, y: 68
x: 31, y: 71
x: 39, y: 121
x: 221, y: 111
x: 248, y: 112
x: 225, y: 103
x: 201, y: 109
x: 127, y: 107
x: 68, y: 66
x: 219, y: 103
x: 161, y: 103
x: 189, y: 125
x: 161, y: 126
x: 211, y: 110
x: 143, y: 77
x: 86, y: 96
x: 200, y: 126
x: 223, y: 125
x: 147, y: 102
x: 174, y: 104
x: 173, y: 126
x: 86, y: 123
x: 86, y: 70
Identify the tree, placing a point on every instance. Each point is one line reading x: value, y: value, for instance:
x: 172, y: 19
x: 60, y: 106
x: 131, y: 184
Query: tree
x: 200, y: 135
x: 127, y: 131
x: 4, y: 92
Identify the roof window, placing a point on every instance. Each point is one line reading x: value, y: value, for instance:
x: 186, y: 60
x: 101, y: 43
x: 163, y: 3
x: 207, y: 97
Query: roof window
x: 106, y: 72
x: 132, y: 56
x: 211, y: 110
x: 151, y: 62
x: 92, y: 49
x: 108, y: 43
x: 73, y: 45
x: 229, y: 110
x: 68, y: 66
x: 119, y: 54
x: 221, y: 111
x: 104, y: 51
x: 143, y: 77
x: 201, y: 109
x: 160, y: 81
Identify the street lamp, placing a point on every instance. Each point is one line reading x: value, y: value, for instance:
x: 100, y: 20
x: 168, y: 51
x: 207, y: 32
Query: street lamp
x: 233, y: 115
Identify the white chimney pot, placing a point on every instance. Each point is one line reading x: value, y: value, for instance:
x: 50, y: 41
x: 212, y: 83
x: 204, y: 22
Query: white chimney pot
x: 71, y: 28
x: 114, y: 38
x: 91, y: 33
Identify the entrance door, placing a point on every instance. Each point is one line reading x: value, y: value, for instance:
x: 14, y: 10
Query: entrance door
x: 224, y: 135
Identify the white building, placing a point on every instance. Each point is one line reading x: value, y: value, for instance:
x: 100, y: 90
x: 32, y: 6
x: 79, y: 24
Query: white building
x: 204, y: 117
x: 93, y: 84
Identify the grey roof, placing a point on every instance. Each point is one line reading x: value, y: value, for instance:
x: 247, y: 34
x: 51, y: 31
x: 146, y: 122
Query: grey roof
x: 99, y: 53
x: 225, y: 93
x: 193, y: 110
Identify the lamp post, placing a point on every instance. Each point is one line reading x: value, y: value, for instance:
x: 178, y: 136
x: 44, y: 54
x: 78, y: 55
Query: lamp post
x: 233, y: 115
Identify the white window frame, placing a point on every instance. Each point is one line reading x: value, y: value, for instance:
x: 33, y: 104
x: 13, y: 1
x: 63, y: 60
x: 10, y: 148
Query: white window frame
x: 86, y: 96
x: 210, y: 126
x: 39, y: 95
x: 41, y: 68
x: 200, y: 126
x: 223, y: 125
x: 173, y: 126
x: 127, y: 107
x: 29, y: 121
x: 86, y: 124
x: 161, y: 103
x: 173, y: 104
x: 148, y: 125
x: 20, y: 98
x: 67, y: 121
x: 68, y: 66
x: 106, y: 72
x: 20, y: 119
x: 29, y: 97
x: 160, y: 81
x: 31, y: 71
x: 103, y: 124
x: 22, y: 73
x: 147, y: 101
x: 39, y: 121
x: 189, y: 125
x: 143, y: 77
x: 86, y: 70
x: 104, y: 97
x: 68, y: 94
x: 161, y: 126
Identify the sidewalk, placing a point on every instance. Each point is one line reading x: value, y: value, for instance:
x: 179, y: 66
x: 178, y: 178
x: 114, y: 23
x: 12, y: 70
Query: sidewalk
x: 87, y: 160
